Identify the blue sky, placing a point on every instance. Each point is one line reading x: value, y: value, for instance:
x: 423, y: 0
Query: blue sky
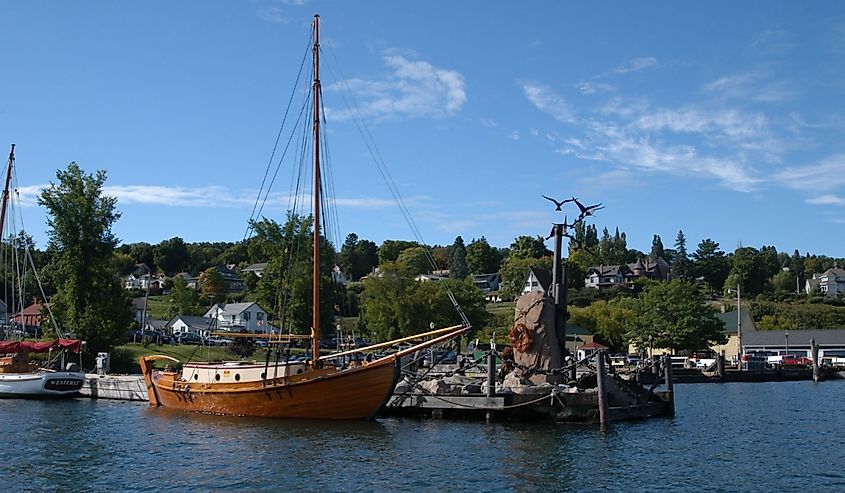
x: 724, y: 119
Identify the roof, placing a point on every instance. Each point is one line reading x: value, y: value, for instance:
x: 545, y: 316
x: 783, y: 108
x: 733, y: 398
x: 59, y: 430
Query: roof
x: 606, y: 270
x: 543, y: 276
x: 192, y: 321
x: 233, y: 308
x: 593, y: 345
x: 485, y: 277
x: 825, y: 337
x: 158, y: 324
x: 578, y: 330
x: 255, y: 267
x: 836, y: 271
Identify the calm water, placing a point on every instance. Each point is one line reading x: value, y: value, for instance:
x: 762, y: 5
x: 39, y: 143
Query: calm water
x: 731, y: 437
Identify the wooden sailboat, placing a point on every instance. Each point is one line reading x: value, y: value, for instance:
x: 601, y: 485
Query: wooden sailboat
x: 305, y: 390
x: 19, y: 377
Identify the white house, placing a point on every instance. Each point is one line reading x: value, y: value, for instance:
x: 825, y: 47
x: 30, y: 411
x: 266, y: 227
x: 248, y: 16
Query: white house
x: 257, y: 269
x: 538, y: 280
x: 830, y: 282
x: 604, y: 276
x: 240, y: 317
x: 182, y: 324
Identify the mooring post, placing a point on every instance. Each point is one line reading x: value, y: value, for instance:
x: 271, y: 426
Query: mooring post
x: 602, y: 389
x: 491, y: 379
x: 720, y: 365
x: 814, y: 350
x: 667, y: 374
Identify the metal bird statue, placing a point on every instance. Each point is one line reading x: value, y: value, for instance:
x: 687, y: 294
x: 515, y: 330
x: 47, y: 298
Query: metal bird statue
x: 558, y: 204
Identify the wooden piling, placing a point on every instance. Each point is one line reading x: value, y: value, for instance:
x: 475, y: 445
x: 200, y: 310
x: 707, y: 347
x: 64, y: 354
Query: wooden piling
x: 602, y: 389
x: 491, y: 380
x: 667, y: 375
x: 814, y: 350
x: 720, y: 365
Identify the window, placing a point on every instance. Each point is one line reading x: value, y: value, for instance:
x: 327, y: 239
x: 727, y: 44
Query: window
x: 247, y: 316
x: 259, y: 316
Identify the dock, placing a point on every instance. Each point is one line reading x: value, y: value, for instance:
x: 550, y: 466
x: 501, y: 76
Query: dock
x: 117, y: 387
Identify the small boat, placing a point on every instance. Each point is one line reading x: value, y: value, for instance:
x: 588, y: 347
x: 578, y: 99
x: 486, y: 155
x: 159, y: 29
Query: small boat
x: 19, y: 377
x: 323, y: 388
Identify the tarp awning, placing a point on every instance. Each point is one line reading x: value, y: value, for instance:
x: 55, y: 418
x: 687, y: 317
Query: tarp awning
x: 39, y: 347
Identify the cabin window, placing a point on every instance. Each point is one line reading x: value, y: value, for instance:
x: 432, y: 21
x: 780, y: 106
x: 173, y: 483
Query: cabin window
x: 263, y: 375
x: 237, y: 377
x: 217, y: 377
x: 196, y: 377
x: 259, y: 316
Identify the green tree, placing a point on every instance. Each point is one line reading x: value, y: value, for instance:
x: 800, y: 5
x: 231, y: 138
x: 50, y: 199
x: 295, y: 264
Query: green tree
x: 212, y: 286
x: 414, y: 261
x: 674, y: 315
x: 681, y: 265
x: 481, y: 257
x: 171, y: 256
x: 611, y: 321
x: 90, y: 300
x: 458, y: 260
x: 747, y: 270
x: 357, y: 257
x: 656, y: 249
x: 183, y: 300
x: 143, y: 253
x: 711, y: 264
x: 389, y: 250
x: 529, y: 247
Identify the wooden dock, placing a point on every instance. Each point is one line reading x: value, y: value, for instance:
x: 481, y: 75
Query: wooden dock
x: 117, y: 387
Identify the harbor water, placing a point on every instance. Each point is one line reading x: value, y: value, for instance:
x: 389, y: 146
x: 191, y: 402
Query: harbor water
x: 724, y: 437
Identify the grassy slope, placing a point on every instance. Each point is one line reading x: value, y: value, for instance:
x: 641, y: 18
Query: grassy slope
x: 125, y: 358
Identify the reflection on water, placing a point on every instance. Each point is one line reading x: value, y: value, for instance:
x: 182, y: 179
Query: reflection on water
x: 731, y: 437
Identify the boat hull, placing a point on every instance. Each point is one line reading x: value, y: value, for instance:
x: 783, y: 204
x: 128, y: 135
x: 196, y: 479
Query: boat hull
x: 41, y: 385
x: 333, y: 394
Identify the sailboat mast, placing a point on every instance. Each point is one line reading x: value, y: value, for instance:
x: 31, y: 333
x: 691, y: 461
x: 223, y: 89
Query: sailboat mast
x: 315, y: 285
x: 6, y: 190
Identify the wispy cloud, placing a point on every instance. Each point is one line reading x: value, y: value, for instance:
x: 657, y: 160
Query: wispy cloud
x: 594, y: 87
x: 411, y: 88
x: 549, y: 102
x: 751, y: 85
x: 274, y: 10
x: 827, y: 200
x: 210, y: 197
x: 635, y: 65
x: 827, y: 174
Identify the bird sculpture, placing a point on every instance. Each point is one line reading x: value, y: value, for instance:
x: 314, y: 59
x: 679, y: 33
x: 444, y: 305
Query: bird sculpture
x: 558, y: 204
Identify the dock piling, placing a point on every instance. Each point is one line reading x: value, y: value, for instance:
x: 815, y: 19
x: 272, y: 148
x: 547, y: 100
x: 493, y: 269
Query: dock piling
x: 667, y: 375
x: 491, y: 380
x: 602, y: 389
x: 814, y: 350
x: 720, y: 365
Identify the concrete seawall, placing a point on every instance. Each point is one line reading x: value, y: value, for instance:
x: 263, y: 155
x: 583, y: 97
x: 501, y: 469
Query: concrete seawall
x: 119, y: 387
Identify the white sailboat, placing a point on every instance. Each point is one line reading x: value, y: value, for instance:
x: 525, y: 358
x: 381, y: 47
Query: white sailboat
x: 21, y: 377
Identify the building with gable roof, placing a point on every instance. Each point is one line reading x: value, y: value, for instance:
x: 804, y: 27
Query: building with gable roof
x: 240, y: 317
x: 830, y: 282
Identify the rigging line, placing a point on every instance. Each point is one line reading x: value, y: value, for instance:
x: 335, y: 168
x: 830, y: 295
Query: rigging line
x: 279, y: 165
x: 281, y: 127
x: 331, y: 195
x: 382, y: 167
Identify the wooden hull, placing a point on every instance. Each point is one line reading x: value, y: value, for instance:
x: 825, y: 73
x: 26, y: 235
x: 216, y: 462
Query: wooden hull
x: 351, y: 394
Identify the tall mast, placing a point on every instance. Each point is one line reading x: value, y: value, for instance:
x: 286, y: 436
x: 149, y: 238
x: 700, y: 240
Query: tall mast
x: 6, y: 190
x: 315, y: 285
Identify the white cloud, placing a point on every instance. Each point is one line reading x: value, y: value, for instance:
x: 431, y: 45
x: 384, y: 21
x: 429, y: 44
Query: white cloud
x: 412, y: 88
x: 827, y: 200
x: 827, y: 174
x: 549, y: 102
x: 594, y: 87
x: 635, y: 65
x: 750, y: 86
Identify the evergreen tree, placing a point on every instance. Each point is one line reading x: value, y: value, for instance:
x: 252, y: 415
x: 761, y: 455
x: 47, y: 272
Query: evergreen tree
x: 710, y: 263
x: 171, y: 256
x: 458, y: 260
x: 656, y: 249
x: 681, y: 263
x: 90, y: 301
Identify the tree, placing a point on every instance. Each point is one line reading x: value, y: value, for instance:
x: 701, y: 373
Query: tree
x: 171, y: 256
x: 143, y: 253
x: 610, y: 320
x: 747, y: 270
x: 390, y: 249
x: 357, y: 257
x: 681, y: 263
x: 529, y: 247
x: 674, y: 315
x: 212, y: 285
x: 414, y: 261
x: 90, y: 300
x: 656, y: 249
x: 711, y: 264
x: 183, y: 300
x: 458, y: 260
x: 481, y: 257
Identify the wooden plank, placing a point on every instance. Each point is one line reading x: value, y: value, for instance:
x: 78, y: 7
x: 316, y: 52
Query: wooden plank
x: 466, y: 402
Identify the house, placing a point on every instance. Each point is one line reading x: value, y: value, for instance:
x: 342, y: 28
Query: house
x: 30, y: 316
x: 605, y: 276
x: 492, y: 297
x: 240, y: 317
x: 589, y: 349
x: 487, y: 282
x: 539, y: 280
x: 183, y: 324
x: 577, y: 337
x: 156, y: 325
x: 429, y: 277
x: 830, y: 282
x: 257, y: 269
x: 4, y: 313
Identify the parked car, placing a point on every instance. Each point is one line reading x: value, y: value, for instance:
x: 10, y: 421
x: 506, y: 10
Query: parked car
x: 189, y: 338
x: 217, y: 341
